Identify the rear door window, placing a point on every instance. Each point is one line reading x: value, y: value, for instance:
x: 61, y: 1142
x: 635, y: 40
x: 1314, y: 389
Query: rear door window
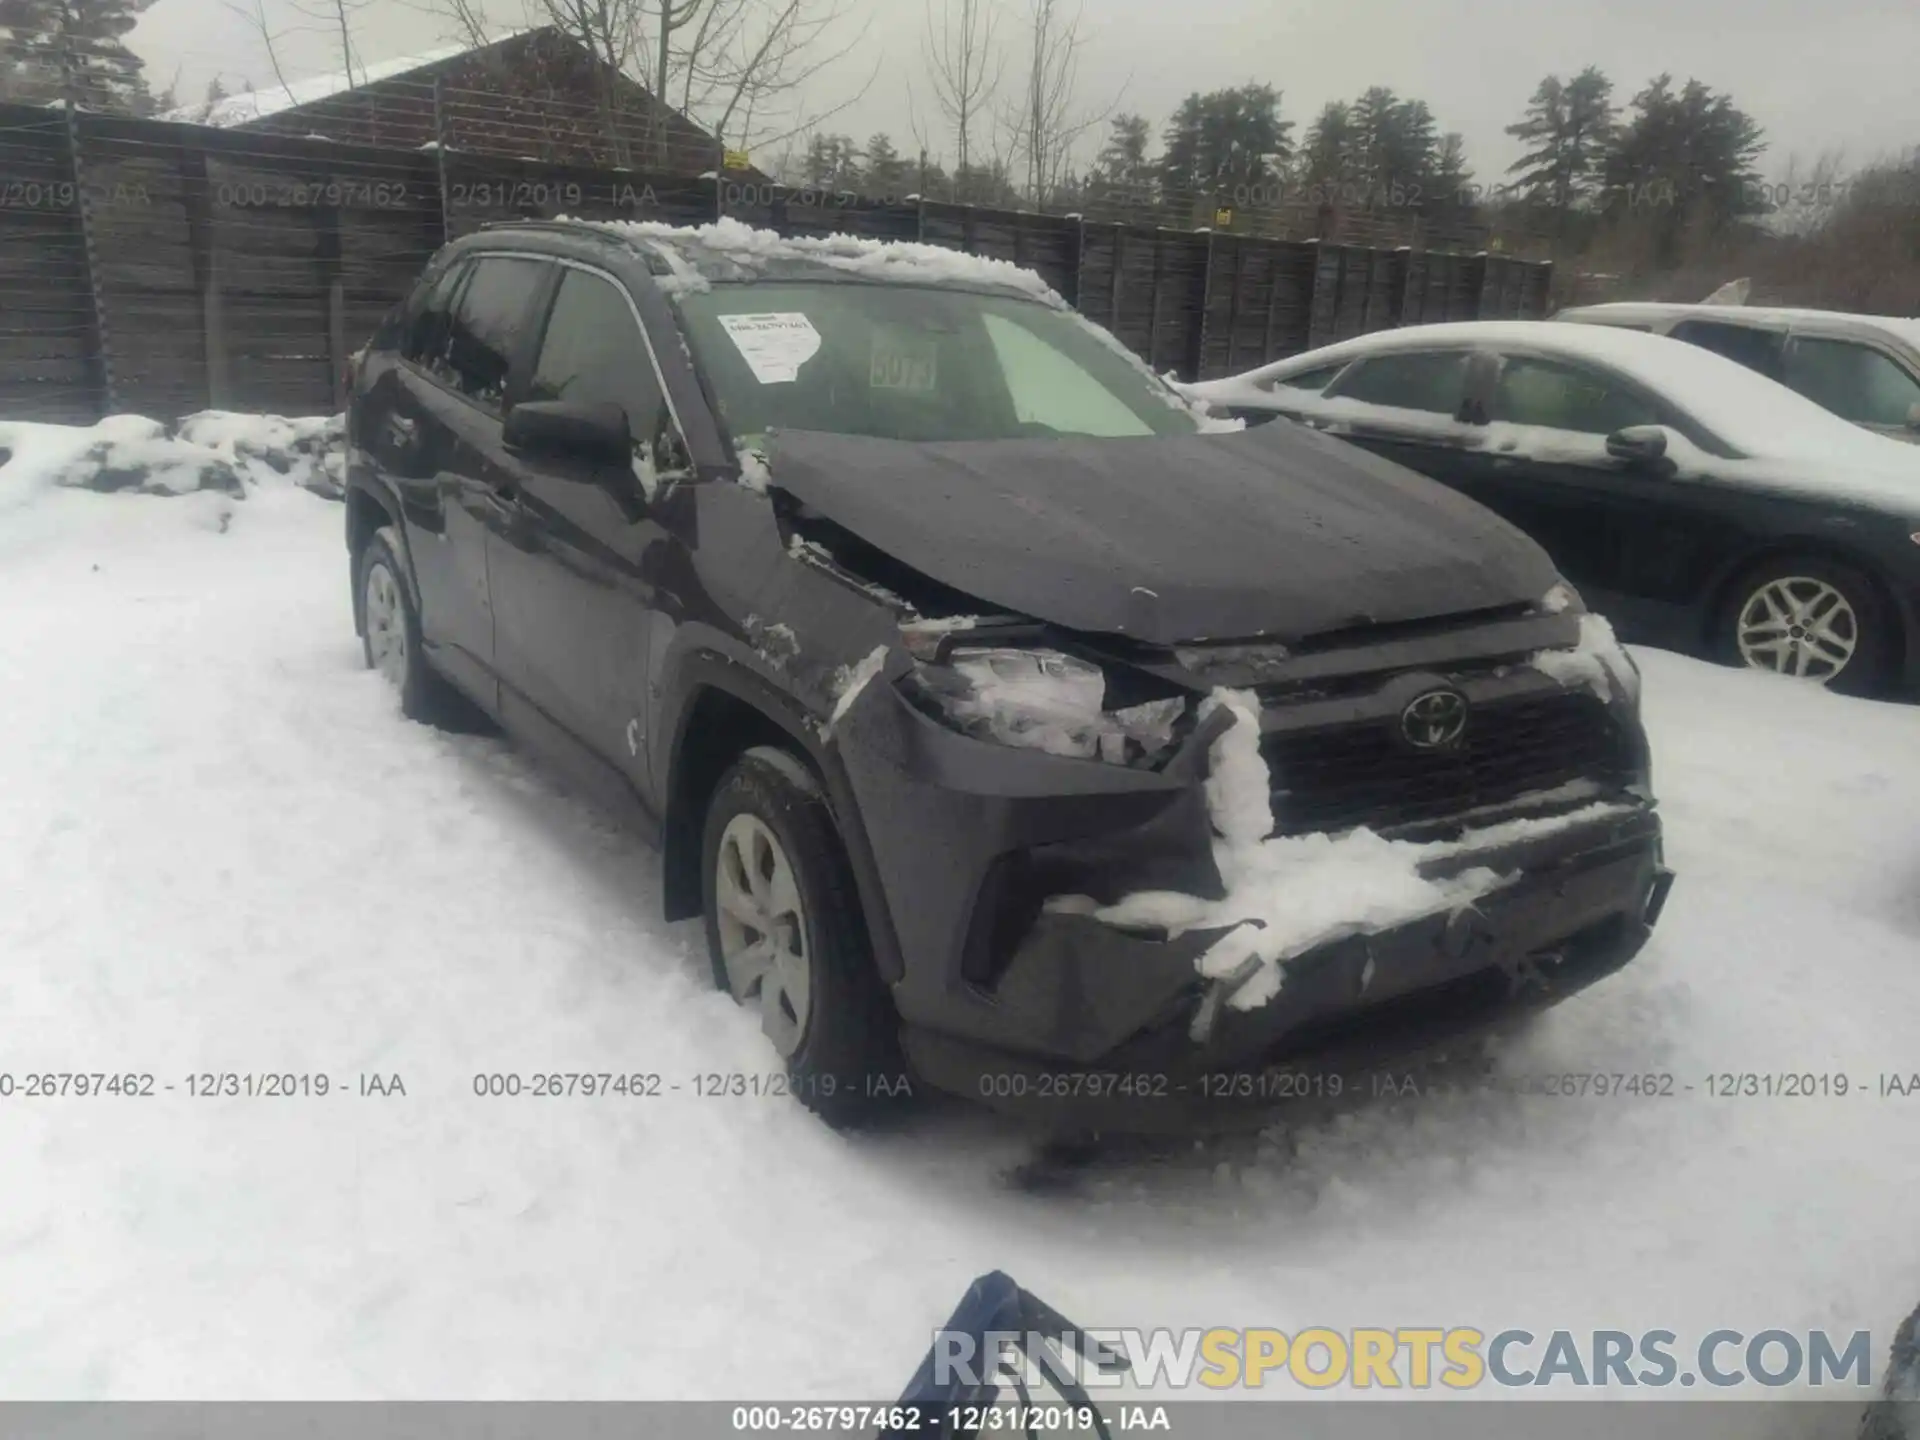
x: 1744, y: 344
x: 1433, y: 381
x: 1559, y: 396
x: 424, y: 323
x: 489, y: 320
x: 1856, y: 382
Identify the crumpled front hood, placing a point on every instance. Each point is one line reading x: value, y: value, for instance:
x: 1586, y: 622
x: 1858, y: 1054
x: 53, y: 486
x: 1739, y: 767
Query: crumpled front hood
x: 1275, y: 531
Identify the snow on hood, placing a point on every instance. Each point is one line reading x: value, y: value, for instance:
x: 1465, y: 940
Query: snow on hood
x: 1275, y: 532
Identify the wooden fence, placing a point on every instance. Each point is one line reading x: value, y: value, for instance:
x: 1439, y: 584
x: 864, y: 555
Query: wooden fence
x: 163, y: 268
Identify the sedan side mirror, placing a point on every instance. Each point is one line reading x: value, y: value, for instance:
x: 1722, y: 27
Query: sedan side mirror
x: 1913, y: 417
x: 568, y: 430
x: 1638, y: 445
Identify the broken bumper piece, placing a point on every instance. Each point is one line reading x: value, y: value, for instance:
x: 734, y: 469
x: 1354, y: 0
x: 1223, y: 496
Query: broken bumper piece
x: 1137, y: 1040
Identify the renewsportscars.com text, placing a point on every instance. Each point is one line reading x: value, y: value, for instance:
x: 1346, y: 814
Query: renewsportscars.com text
x: 1419, y: 1358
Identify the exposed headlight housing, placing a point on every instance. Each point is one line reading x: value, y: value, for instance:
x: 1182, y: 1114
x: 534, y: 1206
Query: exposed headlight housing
x: 1044, y: 700
x: 1563, y: 599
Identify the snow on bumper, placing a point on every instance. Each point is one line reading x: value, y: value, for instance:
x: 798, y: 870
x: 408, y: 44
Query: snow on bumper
x: 1083, y: 917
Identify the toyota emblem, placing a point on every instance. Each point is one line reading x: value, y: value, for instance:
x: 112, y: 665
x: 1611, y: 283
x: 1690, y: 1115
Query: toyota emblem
x: 1435, y: 720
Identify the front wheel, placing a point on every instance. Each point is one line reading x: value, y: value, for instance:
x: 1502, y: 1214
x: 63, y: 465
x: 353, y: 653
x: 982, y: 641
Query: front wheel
x: 1808, y: 619
x: 390, y: 628
x: 787, y: 937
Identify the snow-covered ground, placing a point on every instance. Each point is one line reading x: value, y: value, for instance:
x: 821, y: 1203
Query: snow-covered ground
x: 222, y: 849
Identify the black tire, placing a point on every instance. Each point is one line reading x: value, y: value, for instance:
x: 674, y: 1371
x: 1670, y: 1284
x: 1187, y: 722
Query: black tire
x: 424, y: 695
x: 1866, y: 672
x: 847, y: 1068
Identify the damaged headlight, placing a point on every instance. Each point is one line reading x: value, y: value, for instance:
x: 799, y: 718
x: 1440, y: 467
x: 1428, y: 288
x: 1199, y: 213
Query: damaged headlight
x: 1044, y: 700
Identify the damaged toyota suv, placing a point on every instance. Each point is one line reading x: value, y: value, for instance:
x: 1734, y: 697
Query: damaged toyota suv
x: 1011, y: 733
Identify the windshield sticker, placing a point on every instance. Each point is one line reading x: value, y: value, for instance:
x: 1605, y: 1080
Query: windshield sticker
x: 774, y: 346
x: 903, y: 362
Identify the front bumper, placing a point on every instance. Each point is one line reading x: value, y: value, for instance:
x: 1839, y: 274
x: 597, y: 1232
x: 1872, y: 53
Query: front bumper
x: 1350, y: 1015
x: 1087, y: 1025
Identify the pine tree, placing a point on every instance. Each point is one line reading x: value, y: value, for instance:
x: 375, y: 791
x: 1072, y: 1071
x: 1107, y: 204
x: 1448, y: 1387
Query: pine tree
x: 833, y: 162
x: 1327, y: 158
x: 1122, y: 179
x: 889, y: 175
x: 1223, y: 144
x: 1568, y: 128
x: 42, y: 38
x: 1682, y: 158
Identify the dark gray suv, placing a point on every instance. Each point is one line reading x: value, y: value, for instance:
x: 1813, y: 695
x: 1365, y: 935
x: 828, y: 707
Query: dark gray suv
x: 1011, y: 734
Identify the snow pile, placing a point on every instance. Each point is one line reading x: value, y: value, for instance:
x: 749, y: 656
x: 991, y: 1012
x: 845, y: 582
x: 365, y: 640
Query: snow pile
x: 1598, y: 662
x: 1288, y: 895
x: 211, y: 451
x: 310, y: 450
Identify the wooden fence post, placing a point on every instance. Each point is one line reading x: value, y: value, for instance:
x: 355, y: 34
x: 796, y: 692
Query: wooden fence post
x: 196, y: 185
x: 440, y: 162
x: 1196, y: 357
x: 328, y: 217
x: 103, y: 349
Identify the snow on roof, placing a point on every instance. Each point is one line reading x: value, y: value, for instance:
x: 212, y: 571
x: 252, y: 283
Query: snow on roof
x: 1750, y: 412
x: 1787, y: 441
x: 731, y: 250
x: 259, y: 104
x: 1902, y: 328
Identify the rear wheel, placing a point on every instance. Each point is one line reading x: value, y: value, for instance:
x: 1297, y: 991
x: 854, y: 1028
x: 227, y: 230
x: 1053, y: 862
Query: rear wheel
x: 1809, y: 619
x: 786, y: 937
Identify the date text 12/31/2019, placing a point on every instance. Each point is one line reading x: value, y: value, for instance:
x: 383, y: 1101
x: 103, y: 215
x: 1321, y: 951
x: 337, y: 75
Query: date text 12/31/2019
x: 199, y: 1084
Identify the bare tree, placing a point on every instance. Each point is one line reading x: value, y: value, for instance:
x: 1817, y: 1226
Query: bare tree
x: 610, y: 31
x: 337, y: 15
x: 255, y: 14
x: 963, y: 66
x: 1047, y: 123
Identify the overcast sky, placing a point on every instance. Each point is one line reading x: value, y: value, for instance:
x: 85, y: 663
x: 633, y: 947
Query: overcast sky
x: 1837, y: 74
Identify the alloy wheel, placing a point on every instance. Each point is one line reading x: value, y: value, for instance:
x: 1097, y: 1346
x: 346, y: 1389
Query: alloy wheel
x: 1799, y: 626
x: 763, y: 929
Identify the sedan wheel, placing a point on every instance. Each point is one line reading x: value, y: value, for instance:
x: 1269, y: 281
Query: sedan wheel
x: 762, y: 922
x: 1798, y: 625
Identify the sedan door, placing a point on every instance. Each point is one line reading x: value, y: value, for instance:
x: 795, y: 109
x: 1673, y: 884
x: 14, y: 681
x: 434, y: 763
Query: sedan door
x: 1409, y: 406
x: 1639, y: 543
x: 573, y: 580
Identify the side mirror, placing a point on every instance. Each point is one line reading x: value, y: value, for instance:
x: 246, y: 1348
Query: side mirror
x: 565, y: 430
x: 1638, y: 445
x: 1913, y: 417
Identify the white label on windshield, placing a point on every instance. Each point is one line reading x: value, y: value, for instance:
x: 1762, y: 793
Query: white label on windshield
x: 774, y: 346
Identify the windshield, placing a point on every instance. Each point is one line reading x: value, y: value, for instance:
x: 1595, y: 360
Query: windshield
x: 901, y: 363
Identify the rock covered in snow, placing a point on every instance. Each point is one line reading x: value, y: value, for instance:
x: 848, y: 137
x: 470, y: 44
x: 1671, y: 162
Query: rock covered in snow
x: 212, y: 451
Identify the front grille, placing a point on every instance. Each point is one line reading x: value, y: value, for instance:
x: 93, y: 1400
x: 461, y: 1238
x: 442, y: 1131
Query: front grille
x: 1334, y: 780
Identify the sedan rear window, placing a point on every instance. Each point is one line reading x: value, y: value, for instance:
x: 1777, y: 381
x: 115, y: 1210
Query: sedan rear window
x: 1431, y: 381
x: 905, y: 363
x: 1567, y: 397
